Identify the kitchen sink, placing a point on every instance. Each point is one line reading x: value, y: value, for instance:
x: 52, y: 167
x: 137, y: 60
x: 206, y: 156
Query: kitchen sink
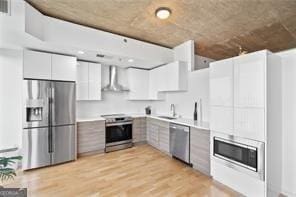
x: 167, y: 117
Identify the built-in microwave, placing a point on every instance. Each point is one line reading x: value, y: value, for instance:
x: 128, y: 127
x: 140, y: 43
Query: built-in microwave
x: 240, y: 154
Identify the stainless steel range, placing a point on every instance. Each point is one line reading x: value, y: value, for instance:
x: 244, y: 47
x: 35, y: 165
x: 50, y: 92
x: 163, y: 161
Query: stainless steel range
x: 119, y: 132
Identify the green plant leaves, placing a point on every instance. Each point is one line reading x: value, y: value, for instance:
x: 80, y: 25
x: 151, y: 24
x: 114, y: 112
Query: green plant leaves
x: 5, y: 161
x: 6, y: 174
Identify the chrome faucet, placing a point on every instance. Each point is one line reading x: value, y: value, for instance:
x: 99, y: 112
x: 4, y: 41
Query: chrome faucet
x: 173, y: 110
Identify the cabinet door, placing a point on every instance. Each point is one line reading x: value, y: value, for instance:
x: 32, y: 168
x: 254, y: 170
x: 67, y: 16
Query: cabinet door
x: 200, y: 149
x: 249, y: 80
x: 221, y: 119
x: 164, y: 139
x: 37, y: 65
x: 94, y: 81
x: 249, y: 123
x: 138, y: 81
x: 148, y: 130
x: 164, y: 82
x: 221, y: 83
x: 91, y: 136
x: 63, y: 68
x: 137, y: 127
x: 82, y: 81
x: 155, y: 81
x: 153, y: 84
x: 155, y: 136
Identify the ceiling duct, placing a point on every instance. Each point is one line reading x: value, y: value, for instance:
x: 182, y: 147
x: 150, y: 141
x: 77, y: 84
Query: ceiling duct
x: 104, y: 56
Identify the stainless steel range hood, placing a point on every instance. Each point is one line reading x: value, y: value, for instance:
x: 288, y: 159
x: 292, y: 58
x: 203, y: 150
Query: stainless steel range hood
x: 113, y: 81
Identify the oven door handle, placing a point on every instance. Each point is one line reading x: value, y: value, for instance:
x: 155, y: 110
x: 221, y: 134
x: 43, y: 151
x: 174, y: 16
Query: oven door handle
x: 118, y: 124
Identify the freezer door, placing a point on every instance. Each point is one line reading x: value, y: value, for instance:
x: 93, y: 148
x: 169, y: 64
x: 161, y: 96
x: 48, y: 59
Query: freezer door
x: 63, y: 144
x: 63, y: 103
x: 36, y: 95
x: 35, y: 148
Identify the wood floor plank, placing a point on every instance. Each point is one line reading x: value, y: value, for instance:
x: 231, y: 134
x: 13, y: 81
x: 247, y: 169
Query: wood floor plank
x: 138, y: 171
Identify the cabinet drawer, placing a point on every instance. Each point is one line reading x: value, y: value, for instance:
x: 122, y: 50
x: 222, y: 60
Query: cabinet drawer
x: 91, y: 136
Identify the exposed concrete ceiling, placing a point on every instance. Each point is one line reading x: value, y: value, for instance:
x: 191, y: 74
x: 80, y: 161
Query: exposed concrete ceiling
x: 218, y: 27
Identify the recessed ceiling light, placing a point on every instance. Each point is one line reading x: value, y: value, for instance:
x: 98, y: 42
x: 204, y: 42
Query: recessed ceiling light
x: 130, y: 60
x: 162, y: 13
x: 80, y: 52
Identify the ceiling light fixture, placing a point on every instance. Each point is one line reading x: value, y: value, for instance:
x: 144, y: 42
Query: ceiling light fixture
x: 80, y: 52
x: 163, y: 12
x: 130, y: 60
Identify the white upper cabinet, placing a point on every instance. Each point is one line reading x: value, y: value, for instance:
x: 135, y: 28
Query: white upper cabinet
x: 221, y: 96
x: 151, y: 84
x: 94, y: 81
x: 63, y: 67
x: 174, y: 77
x: 155, y: 80
x: 249, y: 80
x: 221, y: 83
x: 82, y: 81
x: 88, y: 77
x: 37, y: 65
x: 138, y: 82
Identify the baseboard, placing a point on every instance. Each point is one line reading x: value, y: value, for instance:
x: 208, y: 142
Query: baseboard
x: 140, y: 143
x: 91, y: 153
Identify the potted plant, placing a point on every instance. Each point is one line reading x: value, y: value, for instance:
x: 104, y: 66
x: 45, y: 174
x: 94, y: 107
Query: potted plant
x: 6, y: 171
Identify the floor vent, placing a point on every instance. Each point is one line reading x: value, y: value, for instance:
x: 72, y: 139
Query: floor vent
x: 5, y: 7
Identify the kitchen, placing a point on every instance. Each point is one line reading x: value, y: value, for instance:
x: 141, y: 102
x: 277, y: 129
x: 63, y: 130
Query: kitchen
x: 145, y: 109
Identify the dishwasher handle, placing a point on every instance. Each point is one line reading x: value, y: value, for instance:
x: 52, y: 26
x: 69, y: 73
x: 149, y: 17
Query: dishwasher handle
x: 179, y: 127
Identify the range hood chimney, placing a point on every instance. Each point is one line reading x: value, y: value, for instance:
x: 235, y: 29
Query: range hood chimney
x: 113, y: 81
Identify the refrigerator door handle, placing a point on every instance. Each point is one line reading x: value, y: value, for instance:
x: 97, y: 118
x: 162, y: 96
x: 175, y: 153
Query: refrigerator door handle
x: 52, y: 93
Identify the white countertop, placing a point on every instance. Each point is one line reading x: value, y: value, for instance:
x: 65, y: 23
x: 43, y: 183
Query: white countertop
x: 90, y: 119
x: 182, y: 121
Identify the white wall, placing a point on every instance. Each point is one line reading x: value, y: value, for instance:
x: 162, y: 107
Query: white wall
x: 10, y: 98
x: 112, y: 102
x: 198, y: 87
x: 289, y: 122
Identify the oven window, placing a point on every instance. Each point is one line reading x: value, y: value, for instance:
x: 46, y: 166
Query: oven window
x: 236, y: 153
x: 118, y: 133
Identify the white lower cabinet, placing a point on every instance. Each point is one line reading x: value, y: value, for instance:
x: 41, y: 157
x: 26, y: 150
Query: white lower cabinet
x: 200, y: 150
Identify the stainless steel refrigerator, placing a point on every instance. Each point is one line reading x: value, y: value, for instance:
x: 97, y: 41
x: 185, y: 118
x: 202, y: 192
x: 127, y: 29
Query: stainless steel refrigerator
x: 49, y: 133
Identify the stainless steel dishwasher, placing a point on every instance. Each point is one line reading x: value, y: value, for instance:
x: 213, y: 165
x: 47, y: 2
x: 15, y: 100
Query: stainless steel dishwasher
x: 179, y: 142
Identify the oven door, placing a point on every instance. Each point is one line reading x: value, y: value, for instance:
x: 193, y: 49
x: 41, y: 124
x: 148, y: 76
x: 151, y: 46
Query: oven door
x: 118, y: 133
x: 246, y: 157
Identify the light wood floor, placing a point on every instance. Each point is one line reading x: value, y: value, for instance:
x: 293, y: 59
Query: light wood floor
x: 139, y: 171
